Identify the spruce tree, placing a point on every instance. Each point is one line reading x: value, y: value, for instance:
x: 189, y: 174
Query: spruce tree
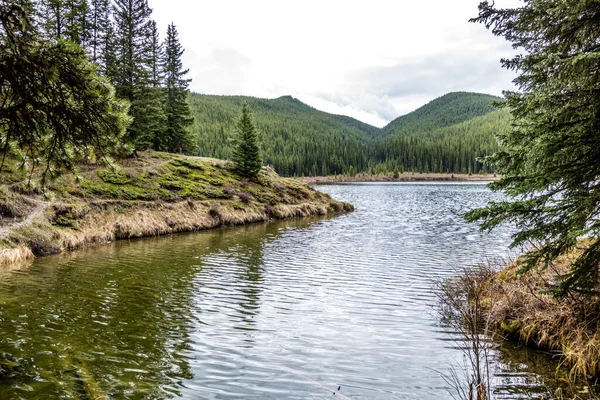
x: 178, y: 136
x: 98, y: 19
x: 157, y: 57
x: 132, y: 76
x: 108, y: 54
x: 155, y: 136
x: 76, y: 27
x: 246, y: 154
x: 53, y: 12
x: 550, y: 161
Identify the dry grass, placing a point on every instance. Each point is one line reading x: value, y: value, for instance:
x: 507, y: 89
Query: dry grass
x: 151, y: 219
x: 521, y: 308
x: 15, y: 255
x: 462, y: 307
x: 156, y: 194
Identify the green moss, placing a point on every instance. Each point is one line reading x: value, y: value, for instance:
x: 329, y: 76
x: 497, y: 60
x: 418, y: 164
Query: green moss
x: 114, y: 176
x: 188, y: 163
x: 65, y: 222
x: 238, y: 205
x: 148, y: 182
x: 12, y: 171
x: 511, y: 328
x: 96, y: 188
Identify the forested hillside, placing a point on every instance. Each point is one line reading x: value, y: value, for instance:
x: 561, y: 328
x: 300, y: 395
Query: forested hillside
x: 296, y: 138
x: 446, y: 135
x: 449, y: 109
x: 453, y: 149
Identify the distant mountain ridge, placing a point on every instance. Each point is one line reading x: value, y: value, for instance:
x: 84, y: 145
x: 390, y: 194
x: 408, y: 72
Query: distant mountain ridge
x: 300, y: 140
x: 449, y: 109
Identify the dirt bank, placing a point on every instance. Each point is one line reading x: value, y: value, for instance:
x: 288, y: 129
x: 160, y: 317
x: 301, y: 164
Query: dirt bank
x: 155, y: 194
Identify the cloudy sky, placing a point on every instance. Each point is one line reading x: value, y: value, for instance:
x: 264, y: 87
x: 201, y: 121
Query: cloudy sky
x: 371, y: 59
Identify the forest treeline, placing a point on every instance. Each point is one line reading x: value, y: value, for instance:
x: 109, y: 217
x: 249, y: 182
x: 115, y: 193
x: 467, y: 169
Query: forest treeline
x: 449, y: 134
x: 123, y: 42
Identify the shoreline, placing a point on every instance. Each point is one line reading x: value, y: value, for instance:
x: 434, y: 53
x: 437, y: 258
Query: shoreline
x: 159, y: 194
x: 520, y: 308
x: 404, y: 177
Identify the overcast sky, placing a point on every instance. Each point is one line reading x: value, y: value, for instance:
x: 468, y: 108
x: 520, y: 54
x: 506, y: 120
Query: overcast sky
x: 373, y: 60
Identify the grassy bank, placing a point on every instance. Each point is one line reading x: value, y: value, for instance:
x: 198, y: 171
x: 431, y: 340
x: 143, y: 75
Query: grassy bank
x: 520, y: 308
x: 404, y: 177
x: 154, y: 194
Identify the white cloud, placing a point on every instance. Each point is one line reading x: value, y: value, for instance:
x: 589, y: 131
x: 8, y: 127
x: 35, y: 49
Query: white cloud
x: 372, y: 60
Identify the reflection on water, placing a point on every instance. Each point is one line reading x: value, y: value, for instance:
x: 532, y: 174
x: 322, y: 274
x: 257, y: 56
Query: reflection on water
x: 284, y: 310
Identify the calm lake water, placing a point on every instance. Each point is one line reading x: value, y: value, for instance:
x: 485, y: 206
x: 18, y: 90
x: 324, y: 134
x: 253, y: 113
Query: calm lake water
x: 288, y: 310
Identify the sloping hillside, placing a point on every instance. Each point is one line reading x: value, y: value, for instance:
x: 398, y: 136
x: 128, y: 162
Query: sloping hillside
x: 446, y: 135
x: 447, y: 110
x: 451, y: 149
x: 296, y: 138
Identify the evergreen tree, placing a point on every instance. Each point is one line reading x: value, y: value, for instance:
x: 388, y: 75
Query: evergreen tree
x: 65, y: 19
x: 98, y: 25
x: 76, y: 27
x: 132, y: 77
x: 155, y: 136
x: 55, y: 109
x: 157, y: 57
x: 550, y: 161
x: 178, y: 135
x: 108, y: 51
x: 53, y: 12
x: 246, y: 152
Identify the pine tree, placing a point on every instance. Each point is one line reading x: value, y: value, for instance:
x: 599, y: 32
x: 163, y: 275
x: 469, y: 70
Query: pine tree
x: 108, y: 53
x: 178, y: 135
x: 157, y: 57
x: 98, y: 24
x: 132, y: 78
x: 54, y: 16
x: 246, y: 154
x: 65, y: 19
x: 76, y: 27
x: 155, y: 135
x: 550, y: 162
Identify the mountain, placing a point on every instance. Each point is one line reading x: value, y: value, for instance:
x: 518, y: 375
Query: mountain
x: 454, y: 148
x: 447, y: 110
x: 446, y: 135
x: 296, y: 138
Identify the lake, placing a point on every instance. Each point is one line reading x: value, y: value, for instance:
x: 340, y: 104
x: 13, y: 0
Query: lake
x: 286, y: 310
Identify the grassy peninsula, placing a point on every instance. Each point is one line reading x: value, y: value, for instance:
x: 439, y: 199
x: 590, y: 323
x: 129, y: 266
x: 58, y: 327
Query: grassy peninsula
x: 153, y: 194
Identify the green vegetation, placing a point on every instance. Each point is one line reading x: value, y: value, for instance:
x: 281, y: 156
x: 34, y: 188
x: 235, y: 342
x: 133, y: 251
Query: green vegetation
x: 446, y: 135
x: 177, y: 136
x: 447, y: 110
x: 56, y: 109
x: 153, y: 194
x: 246, y: 152
x: 549, y: 162
x: 122, y: 40
x: 118, y: 40
x: 550, y: 296
x: 296, y: 139
x: 455, y: 148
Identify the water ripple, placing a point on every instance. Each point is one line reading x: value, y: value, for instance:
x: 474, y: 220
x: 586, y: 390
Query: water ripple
x: 287, y: 310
